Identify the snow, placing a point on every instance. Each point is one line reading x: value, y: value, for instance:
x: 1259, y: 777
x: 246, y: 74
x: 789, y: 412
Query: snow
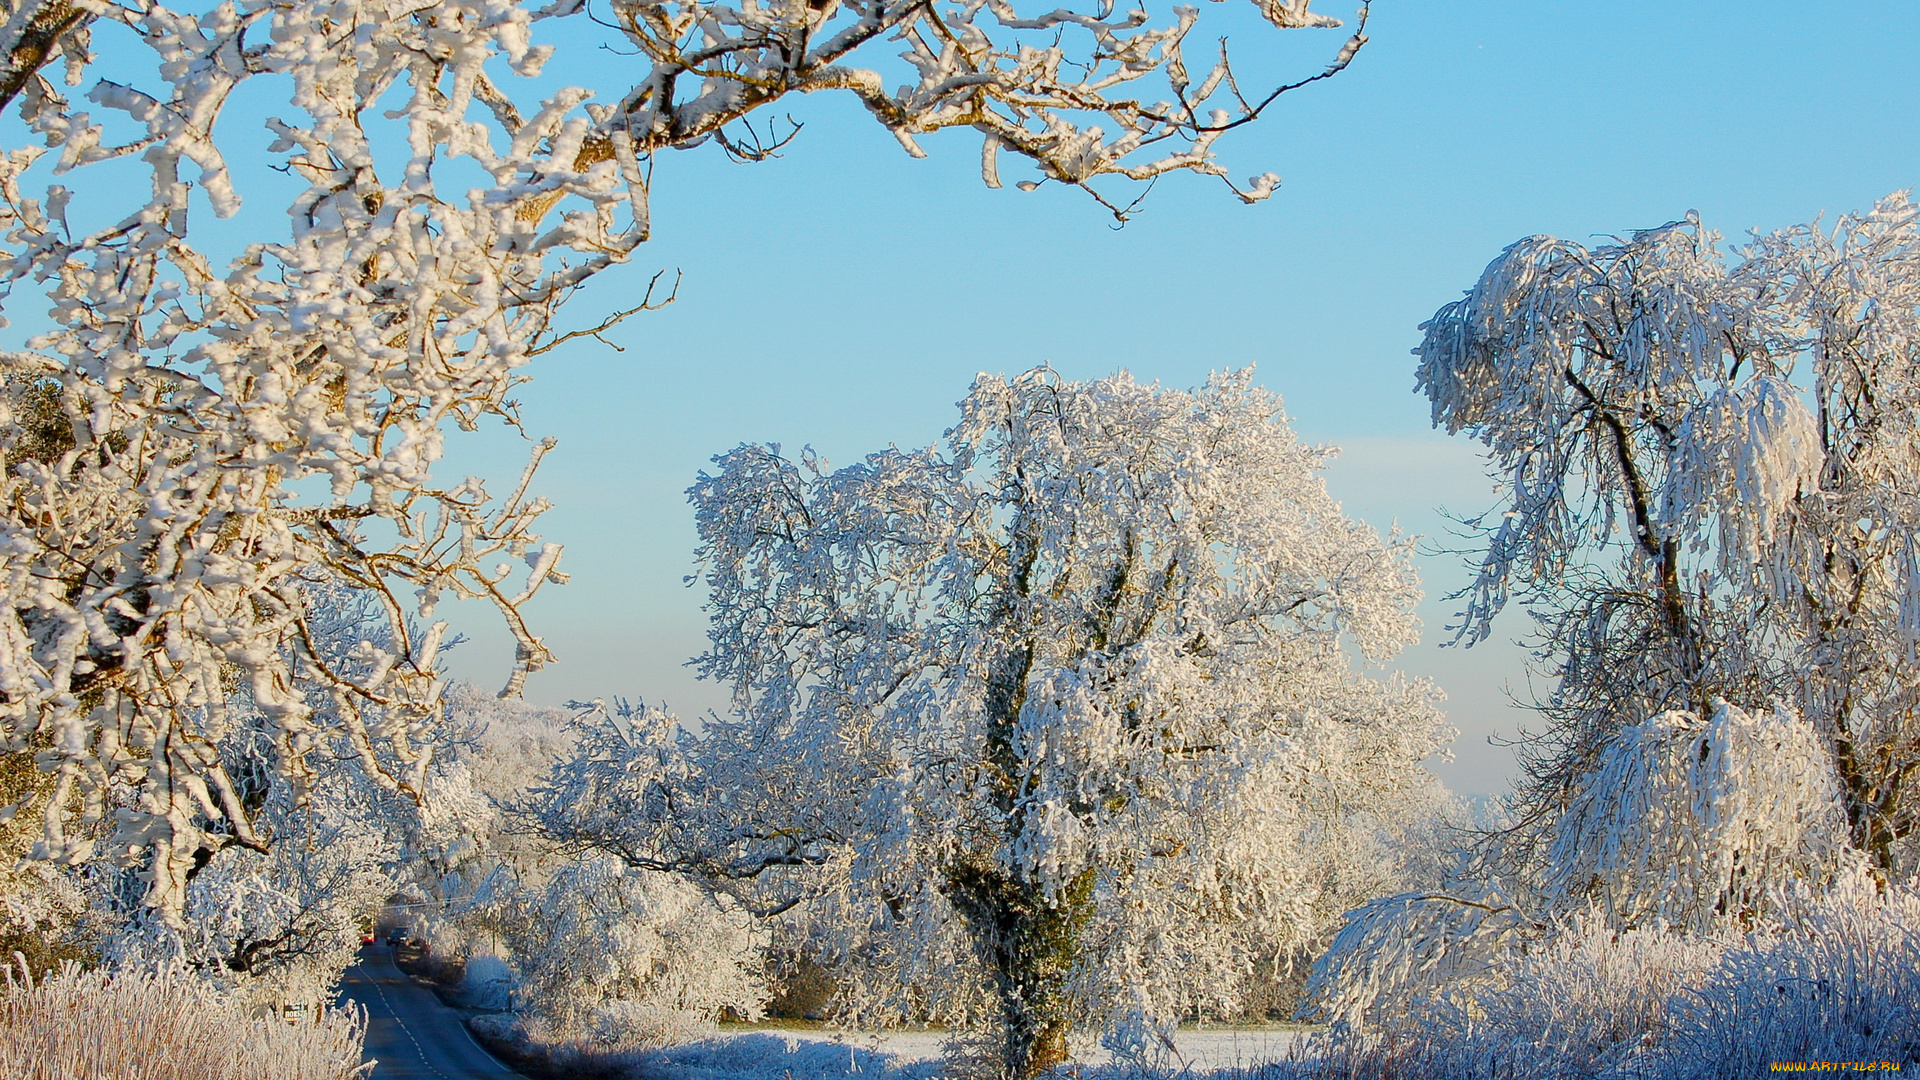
x: 774, y: 1053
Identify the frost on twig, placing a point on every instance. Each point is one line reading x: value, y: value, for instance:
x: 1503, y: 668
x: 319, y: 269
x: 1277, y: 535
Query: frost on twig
x: 36, y: 32
x: 1060, y: 87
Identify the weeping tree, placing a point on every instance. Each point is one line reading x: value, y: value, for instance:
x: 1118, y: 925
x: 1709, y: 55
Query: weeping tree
x: 201, y: 434
x: 1056, y: 724
x: 1707, y: 460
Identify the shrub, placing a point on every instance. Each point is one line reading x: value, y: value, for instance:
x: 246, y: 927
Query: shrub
x: 613, y: 1041
x: 487, y: 982
x: 632, y: 1025
x: 1837, y: 979
x: 1570, y: 1008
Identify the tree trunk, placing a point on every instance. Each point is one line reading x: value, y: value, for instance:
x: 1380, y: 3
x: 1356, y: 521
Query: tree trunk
x: 1028, y: 946
x: 1026, y: 940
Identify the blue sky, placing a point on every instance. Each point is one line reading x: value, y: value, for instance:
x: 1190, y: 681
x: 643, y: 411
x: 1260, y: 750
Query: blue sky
x: 845, y: 294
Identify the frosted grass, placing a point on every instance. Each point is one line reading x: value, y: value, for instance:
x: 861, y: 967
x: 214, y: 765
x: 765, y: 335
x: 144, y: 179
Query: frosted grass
x: 88, y: 1025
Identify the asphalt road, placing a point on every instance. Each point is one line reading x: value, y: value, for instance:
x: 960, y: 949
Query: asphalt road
x: 410, y: 1034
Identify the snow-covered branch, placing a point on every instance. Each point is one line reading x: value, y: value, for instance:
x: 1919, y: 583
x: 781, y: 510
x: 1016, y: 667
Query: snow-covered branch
x: 197, y: 436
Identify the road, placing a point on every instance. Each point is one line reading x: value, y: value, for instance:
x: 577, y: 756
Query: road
x: 410, y: 1034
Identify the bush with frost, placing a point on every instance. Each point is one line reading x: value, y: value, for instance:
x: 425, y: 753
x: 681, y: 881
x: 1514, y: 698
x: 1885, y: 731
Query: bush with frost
x: 625, y: 957
x: 1685, y: 823
x: 1695, y: 901
x: 1836, y: 980
x: 487, y: 982
x: 1574, y: 1006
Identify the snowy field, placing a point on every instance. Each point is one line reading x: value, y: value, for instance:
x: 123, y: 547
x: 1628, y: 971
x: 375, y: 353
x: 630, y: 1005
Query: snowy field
x: 797, y: 1054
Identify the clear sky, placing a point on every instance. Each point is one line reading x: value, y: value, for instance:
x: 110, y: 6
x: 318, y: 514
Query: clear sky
x: 845, y: 294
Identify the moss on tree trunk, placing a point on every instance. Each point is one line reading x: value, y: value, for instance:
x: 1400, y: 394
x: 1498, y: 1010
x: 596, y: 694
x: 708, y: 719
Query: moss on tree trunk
x: 1028, y: 944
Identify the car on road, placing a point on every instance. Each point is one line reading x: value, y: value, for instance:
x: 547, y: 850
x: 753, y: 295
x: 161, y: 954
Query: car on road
x: 398, y: 937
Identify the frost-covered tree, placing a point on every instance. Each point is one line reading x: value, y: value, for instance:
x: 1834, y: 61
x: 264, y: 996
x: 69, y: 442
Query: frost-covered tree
x: 1056, y: 723
x: 496, y: 750
x: 623, y: 955
x: 205, y: 424
x: 283, y: 924
x: 1708, y: 461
